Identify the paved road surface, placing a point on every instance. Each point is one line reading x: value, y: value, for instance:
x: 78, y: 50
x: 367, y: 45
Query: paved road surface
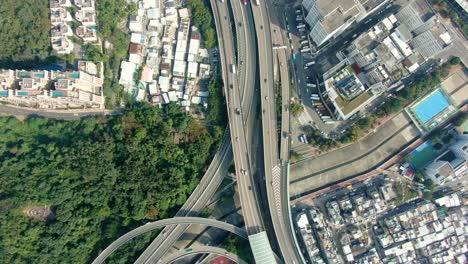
x: 273, y: 169
x: 201, y: 250
x: 162, y: 223
x: 7, y: 110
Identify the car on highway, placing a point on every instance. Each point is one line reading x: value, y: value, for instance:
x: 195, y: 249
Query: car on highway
x: 238, y: 111
x: 245, y: 2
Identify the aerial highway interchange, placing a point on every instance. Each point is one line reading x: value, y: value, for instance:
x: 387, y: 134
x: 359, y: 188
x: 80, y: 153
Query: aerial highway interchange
x: 258, y: 76
x: 252, y: 26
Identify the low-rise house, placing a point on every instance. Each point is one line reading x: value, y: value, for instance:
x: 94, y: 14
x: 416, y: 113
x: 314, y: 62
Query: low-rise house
x: 85, y: 4
x: 135, y: 23
x: 60, y: 30
x: 62, y: 45
x: 86, y: 17
x: 87, y: 34
x: 57, y: 4
x: 60, y: 15
x: 127, y: 70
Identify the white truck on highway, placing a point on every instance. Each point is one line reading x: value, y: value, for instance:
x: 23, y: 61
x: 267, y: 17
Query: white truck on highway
x: 233, y: 69
x: 257, y: 2
x: 300, y: 26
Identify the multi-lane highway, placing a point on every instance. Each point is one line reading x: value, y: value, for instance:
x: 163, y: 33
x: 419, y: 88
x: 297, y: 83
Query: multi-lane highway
x: 162, y: 223
x: 276, y: 186
x: 249, y: 203
x: 201, y: 250
x: 239, y: 90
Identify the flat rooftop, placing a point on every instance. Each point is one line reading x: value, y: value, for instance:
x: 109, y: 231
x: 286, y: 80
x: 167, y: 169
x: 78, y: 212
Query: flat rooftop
x: 338, y: 12
x: 457, y: 85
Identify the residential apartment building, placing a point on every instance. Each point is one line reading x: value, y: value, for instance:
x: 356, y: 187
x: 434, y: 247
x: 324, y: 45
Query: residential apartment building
x: 329, y: 18
x: 54, y: 89
x: 378, y: 59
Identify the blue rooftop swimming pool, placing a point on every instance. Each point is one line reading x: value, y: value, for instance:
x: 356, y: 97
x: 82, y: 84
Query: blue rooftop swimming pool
x: 57, y: 94
x: 4, y: 93
x: 431, y: 106
x: 74, y: 75
x: 22, y: 93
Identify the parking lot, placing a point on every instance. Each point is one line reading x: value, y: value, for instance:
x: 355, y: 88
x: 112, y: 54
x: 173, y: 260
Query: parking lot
x: 309, y: 65
x: 306, y: 84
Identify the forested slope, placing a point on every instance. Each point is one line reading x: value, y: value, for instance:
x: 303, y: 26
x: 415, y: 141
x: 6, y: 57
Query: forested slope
x: 24, y: 32
x: 101, y: 177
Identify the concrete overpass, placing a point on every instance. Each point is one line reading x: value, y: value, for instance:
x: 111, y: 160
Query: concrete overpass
x: 201, y: 250
x: 276, y: 179
x: 166, y: 222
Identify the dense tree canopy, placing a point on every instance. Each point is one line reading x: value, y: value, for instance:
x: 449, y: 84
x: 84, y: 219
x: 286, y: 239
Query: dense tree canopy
x: 296, y: 109
x: 202, y: 18
x: 101, y: 177
x: 24, y: 32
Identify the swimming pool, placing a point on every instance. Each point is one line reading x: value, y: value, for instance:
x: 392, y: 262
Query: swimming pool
x: 431, y: 106
x: 57, y: 94
x: 74, y: 75
x: 22, y: 93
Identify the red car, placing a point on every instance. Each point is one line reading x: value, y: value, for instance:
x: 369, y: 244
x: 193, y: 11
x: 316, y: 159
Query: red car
x: 245, y: 2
